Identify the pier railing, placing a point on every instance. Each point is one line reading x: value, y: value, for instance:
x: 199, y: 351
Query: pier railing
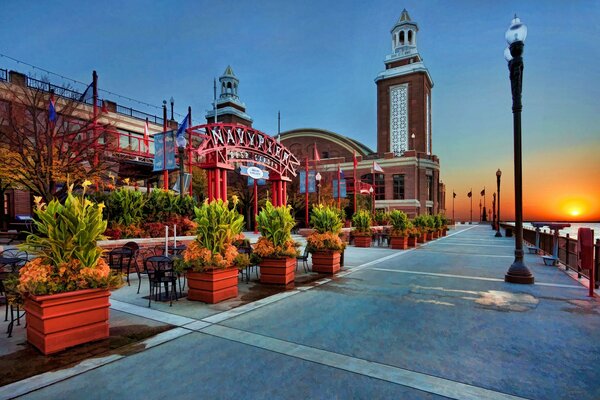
x: 567, y: 251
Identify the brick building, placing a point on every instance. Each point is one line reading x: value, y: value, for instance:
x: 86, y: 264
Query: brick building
x: 410, y: 181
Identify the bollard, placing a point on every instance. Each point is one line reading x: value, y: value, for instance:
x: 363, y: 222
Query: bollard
x: 585, y: 254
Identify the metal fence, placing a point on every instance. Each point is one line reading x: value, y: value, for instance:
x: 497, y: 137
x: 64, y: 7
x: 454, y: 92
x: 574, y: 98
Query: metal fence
x: 77, y: 96
x: 567, y: 251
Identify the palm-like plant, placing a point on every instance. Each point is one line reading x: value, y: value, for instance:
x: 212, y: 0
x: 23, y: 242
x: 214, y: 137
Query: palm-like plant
x: 362, y: 222
x: 399, y: 221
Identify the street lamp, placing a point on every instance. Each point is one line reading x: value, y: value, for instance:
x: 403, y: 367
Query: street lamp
x: 172, y: 105
x: 181, y: 143
x: 318, y: 179
x: 515, y: 36
x: 498, y: 175
x: 372, y: 192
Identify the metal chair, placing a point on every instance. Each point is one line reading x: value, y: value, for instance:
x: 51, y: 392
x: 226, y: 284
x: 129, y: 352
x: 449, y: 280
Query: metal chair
x: 11, y: 261
x: 160, y: 273
x: 120, y: 259
x: 304, y: 259
x: 135, y: 249
x: 248, y: 270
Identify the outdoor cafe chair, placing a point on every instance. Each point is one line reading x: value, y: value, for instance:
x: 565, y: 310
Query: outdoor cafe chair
x: 11, y: 261
x: 248, y: 270
x: 304, y: 259
x: 119, y: 259
x: 160, y: 273
x: 135, y: 249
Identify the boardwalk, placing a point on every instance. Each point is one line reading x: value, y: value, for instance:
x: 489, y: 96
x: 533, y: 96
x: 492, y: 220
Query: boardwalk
x: 434, y: 322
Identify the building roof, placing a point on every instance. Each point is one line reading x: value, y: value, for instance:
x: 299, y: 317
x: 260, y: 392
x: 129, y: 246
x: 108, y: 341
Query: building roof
x: 349, y: 143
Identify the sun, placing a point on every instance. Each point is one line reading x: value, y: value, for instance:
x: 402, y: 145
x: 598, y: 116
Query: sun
x: 575, y: 212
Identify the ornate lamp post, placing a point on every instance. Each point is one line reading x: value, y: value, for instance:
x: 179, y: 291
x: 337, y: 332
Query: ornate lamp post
x: 372, y: 192
x: 181, y: 143
x: 498, y: 175
x: 172, y: 100
x: 318, y: 179
x: 515, y: 36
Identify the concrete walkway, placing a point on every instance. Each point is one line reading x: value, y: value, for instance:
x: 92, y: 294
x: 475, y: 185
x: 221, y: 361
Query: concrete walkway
x: 434, y: 322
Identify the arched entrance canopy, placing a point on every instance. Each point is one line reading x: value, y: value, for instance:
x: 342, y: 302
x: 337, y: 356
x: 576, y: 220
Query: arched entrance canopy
x: 226, y: 143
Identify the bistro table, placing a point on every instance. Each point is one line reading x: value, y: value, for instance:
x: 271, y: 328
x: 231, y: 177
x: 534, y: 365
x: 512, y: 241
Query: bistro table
x: 555, y: 227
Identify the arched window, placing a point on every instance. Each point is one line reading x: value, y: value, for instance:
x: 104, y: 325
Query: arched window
x: 229, y: 87
x: 401, y: 37
x: 410, y: 37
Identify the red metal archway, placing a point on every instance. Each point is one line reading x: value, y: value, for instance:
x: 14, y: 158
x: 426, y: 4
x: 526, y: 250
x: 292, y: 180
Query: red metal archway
x: 223, y: 144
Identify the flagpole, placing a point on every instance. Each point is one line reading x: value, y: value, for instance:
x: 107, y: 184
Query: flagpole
x: 453, y: 196
x: 215, y: 99
x: 373, y: 198
x: 95, y: 110
x: 471, y: 197
x: 165, y: 171
x: 338, y: 186
x: 306, y: 191
x: 355, y: 162
x: 191, y: 192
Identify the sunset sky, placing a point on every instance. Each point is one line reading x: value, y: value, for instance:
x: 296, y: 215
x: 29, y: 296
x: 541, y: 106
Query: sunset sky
x: 316, y: 62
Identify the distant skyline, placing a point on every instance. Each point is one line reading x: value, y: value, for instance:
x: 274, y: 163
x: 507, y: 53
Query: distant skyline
x: 317, y: 62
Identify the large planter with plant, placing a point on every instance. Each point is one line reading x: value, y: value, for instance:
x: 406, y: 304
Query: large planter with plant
x: 58, y: 321
x: 325, y: 243
x: 421, y: 222
x: 211, y: 260
x: 413, y: 236
x: 399, y: 232
x: 361, y: 221
x: 65, y: 287
x: 275, y: 247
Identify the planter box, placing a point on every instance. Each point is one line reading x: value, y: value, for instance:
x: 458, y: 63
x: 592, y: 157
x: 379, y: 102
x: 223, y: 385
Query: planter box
x: 444, y: 232
x: 422, y: 238
x: 58, y: 321
x: 435, y: 235
x: 399, y: 242
x: 362, y: 241
x: 213, y: 286
x: 326, y: 262
x: 412, y: 241
x: 278, y: 271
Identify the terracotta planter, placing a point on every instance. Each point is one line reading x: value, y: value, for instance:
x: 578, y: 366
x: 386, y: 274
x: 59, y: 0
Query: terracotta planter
x: 412, y: 241
x: 422, y: 238
x: 444, y: 232
x: 434, y: 235
x: 278, y: 271
x: 58, y: 321
x: 213, y: 286
x: 399, y: 242
x: 362, y: 241
x: 326, y: 262
x: 429, y: 236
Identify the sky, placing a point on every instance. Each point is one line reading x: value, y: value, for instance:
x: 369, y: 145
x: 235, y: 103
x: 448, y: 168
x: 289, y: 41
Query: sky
x: 315, y: 61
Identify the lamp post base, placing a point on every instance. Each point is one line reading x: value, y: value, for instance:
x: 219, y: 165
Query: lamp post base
x: 519, y: 273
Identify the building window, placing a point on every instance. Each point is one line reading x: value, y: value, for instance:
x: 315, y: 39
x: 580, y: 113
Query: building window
x: 430, y: 187
x: 398, y: 187
x: 379, y: 184
x: 399, y: 119
x: 6, y: 204
x: 325, y: 154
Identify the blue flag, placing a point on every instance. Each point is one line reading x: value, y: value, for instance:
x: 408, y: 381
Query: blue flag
x: 88, y: 94
x: 51, y: 110
x: 182, y: 126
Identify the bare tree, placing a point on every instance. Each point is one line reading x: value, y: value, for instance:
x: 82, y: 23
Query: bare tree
x: 43, y: 153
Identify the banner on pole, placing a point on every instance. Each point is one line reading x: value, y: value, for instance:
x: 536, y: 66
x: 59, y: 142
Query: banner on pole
x: 312, y: 187
x: 164, y: 151
x: 342, y: 189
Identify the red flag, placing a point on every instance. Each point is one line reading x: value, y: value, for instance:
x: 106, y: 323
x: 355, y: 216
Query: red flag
x: 316, y: 153
x: 146, y: 135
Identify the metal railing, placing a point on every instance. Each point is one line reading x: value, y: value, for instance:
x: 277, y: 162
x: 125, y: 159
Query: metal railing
x: 78, y: 96
x: 567, y: 251
x: 3, y: 75
x: 139, y: 114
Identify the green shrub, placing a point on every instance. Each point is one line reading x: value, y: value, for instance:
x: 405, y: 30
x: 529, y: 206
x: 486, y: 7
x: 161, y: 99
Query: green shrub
x: 126, y: 206
x: 362, y: 222
x: 326, y: 219
x: 275, y: 225
x: 399, y: 221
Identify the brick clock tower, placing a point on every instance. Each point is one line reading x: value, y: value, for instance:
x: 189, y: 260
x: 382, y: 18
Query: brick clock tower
x: 404, y: 95
x: 229, y: 107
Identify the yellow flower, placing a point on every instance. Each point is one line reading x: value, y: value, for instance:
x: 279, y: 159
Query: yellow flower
x: 86, y: 183
x: 37, y: 199
x: 101, y: 206
x: 126, y: 180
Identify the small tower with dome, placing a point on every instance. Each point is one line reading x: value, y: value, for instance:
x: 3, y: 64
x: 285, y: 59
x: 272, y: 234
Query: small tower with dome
x: 229, y: 107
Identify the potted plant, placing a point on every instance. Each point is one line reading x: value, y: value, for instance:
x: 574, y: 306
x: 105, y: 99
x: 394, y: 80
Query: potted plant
x: 65, y: 288
x: 420, y: 223
x: 413, y: 235
x: 432, y: 231
x: 324, y: 242
x: 361, y: 221
x: 398, y: 233
x: 275, y: 247
x: 211, y: 260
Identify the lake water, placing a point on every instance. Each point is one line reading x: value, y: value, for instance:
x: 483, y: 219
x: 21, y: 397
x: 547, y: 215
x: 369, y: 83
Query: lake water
x: 572, y: 230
